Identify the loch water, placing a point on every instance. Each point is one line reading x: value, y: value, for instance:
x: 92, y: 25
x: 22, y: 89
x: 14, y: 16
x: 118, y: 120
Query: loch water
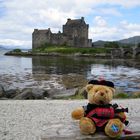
x: 64, y: 72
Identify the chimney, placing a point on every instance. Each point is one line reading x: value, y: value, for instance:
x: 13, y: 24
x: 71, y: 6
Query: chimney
x: 35, y: 30
x: 68, y: 19
x: 82, y: 18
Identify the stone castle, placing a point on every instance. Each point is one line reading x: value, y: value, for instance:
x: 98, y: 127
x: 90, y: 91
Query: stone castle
x: 74, y: 34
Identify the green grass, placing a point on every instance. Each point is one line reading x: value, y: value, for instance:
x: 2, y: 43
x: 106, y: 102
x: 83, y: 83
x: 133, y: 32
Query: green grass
x: 70, y: 50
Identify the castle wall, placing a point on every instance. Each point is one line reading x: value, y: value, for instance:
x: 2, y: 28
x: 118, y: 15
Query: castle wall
x: 58, y: 39
x: 40, y: 37
x: 75, y: 34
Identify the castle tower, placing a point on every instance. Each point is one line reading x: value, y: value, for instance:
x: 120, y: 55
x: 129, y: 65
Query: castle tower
x: 77, y: 32
x: 40, y: 37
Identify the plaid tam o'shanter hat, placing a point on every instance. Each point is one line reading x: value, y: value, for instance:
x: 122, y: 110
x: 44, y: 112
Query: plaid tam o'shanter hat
x: 102, y: 82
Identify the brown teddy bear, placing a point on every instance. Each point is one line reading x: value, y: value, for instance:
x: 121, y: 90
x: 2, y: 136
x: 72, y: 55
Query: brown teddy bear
x: 100, y: 114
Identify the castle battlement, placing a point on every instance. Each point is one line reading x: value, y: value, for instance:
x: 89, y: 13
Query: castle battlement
x: 74, y: 34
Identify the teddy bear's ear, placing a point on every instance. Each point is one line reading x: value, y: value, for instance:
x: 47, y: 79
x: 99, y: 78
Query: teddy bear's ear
x: 88, y: 87
x: 113, y: 90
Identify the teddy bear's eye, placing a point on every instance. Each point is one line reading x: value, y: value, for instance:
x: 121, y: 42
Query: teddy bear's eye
x: 106, y: 91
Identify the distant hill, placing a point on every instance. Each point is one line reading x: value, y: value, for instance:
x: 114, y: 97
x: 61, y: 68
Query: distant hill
x: 129, y: 41
x: 2, y: 47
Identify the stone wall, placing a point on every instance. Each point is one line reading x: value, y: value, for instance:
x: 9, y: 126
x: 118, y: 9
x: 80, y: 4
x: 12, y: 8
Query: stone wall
x: 58, y: 39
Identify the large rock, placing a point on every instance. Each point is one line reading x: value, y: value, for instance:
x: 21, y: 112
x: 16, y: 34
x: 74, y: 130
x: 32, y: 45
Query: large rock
x: 34, y: 93
x: 25, y: 94
x: 11, y: 93
x: 39, y: 93
x: 73, y: 81
x: 2, y: 91
x: 81, y: 92
x: 62, y: 93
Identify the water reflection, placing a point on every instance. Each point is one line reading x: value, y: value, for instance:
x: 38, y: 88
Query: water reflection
x: 65, y: 65
x: 60, y: 65
x: 124, y: 73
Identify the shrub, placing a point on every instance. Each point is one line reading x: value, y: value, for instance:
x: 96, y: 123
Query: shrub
x: 121, y: 95
x: 136, y: 95
x: 17, y: 50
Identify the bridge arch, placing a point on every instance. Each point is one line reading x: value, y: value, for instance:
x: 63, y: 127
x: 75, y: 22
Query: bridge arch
x: 137, y: 52
x: 133, y: 52
x: 128, y: 54
x: 137, y: 55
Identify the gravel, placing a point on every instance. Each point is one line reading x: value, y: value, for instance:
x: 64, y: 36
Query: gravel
x: 38, y: 119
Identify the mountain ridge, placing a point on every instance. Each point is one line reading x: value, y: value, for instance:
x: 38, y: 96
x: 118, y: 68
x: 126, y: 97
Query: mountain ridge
x: 128, y: 41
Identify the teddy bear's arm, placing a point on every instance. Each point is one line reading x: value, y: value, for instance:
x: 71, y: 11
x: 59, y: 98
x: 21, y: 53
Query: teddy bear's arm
x: 78, y: 113
x: 120, y: 112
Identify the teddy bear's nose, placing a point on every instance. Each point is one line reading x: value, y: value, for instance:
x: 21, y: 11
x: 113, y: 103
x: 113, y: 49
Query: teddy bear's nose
x: 101, y: 93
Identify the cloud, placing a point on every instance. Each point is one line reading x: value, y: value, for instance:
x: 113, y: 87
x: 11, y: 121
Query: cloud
x: 130, y: 29
x: 125, y: 3
x: 101, y: 30
x: 122, y: 3
x: 99, y: 21
x: 15, y: 43
x: 19, y: 18
x: 110, y: 11
x: 104, y: 33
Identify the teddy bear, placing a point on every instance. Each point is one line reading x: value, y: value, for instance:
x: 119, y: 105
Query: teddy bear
x: 99, y: 114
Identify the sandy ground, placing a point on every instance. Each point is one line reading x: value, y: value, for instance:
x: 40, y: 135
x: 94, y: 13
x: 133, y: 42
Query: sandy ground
x: 37, y: 119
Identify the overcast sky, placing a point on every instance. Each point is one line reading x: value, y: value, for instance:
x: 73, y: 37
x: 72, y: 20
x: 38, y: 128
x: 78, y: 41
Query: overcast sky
x: 107, y: 19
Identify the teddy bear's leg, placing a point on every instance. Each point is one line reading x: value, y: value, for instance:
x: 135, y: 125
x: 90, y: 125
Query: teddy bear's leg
x: 87, y: 126
x: 114, y: 128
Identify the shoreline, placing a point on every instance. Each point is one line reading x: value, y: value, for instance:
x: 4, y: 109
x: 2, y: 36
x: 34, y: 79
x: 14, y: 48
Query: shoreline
x: 101, y: 55
x: 55, y: 94
x: 58, y: 52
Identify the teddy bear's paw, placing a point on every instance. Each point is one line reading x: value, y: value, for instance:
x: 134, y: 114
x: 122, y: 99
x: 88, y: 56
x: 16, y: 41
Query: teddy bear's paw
x: 114, y: 128
x: 87, y: 126
x: 78, y: 113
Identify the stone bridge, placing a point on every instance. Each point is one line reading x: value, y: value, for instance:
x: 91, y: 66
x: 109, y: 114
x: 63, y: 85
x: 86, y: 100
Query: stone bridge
x: 133, y: 52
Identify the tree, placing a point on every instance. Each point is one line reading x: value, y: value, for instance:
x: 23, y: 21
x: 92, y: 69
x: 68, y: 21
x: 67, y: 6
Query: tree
x: 17, y: 50
x: 138, y: 45
x: 111, y: 45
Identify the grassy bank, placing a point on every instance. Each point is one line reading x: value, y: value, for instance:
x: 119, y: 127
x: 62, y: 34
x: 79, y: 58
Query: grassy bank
x: 63, y: 50
x: 70, y: 50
